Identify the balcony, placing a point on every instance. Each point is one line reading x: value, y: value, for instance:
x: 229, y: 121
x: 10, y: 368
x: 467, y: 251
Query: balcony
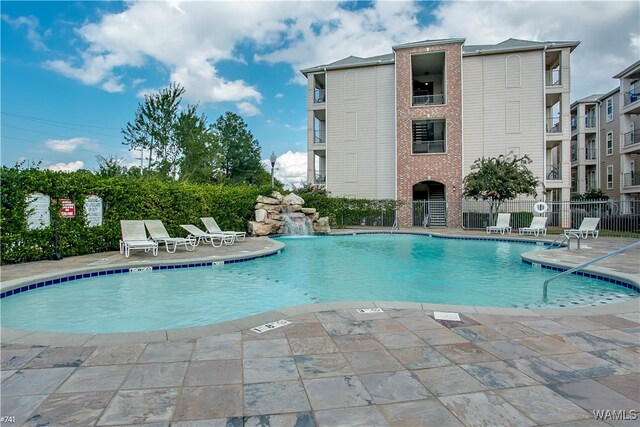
x: 554, y: 125
x: 631, y: 138
x: 319, y: 137
x: 320, y: 178
x: 630, y: 179
x: 590, y: 153
x: 574, y: 154
x: 631, y: 101
x: 590, y: 122
x: 632, y: 96
x: 574, y: 124
x: 426, y: 99
x: 318, y: 96
x: 553, y: 77
x: 554, y: 172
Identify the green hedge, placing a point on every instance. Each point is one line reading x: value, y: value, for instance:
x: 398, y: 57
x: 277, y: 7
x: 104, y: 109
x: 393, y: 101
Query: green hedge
x: 344, y: 211
x: 123, y: 198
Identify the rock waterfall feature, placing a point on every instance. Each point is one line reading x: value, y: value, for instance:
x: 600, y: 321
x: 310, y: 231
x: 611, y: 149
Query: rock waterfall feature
x: 286, y: 215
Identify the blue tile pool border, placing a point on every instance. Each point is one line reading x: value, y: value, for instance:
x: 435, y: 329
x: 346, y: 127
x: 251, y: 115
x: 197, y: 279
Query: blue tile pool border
x: 126, y: 270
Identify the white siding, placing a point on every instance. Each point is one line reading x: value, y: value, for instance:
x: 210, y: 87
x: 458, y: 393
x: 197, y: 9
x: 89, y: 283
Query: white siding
x: 361, y: 132
x: 491, y: 125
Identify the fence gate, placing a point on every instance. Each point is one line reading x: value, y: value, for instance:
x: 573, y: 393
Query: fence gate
x: 430, y: 213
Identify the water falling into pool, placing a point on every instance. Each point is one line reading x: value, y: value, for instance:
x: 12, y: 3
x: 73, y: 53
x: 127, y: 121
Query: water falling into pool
x: 296, y: 223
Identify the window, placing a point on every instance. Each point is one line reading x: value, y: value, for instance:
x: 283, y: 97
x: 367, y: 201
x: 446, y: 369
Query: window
x: 609, y: 143
x: 609, y: 177
x: 428, y: 136
x: 609, y: 110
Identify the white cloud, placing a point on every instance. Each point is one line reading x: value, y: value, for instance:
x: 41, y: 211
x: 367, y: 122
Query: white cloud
x: 608, y: 32
x: 279, y: 95
x: 32, y: 25
x: 189, y: 39
x: 291, y: 168
x: 70, y: 145
x: 67, y: 167
x: 248, y: 109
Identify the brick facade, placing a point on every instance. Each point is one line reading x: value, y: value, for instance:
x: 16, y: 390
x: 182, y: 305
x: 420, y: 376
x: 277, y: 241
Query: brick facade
x: 445, y: 168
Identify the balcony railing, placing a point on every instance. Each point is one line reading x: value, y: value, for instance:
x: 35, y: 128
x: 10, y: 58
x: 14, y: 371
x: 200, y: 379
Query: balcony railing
x: 574, y: 124
x: 320, y: 178
x: 553, y: 77
x: 630, y: 179
x: 574, y: 155
x: 426, y: 147
x: 554, y: 172
x: 318, y: 96
x: 590, y: 122
x: 319, y: 137
x: 554, y: 125
x: 425, y: 99
x: 631, y: 96
x: 590, y: 153
x: 631, y: 138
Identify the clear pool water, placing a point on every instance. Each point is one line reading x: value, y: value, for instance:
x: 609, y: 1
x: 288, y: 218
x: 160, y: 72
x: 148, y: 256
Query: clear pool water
x: 308, y: 270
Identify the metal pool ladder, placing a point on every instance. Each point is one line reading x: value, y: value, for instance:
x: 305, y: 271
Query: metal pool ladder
x: 584, y: 264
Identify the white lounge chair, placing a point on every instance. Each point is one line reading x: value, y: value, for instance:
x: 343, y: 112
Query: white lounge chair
x: 160, y: 235
x: 502, y: 224
x: 134, y: 236
x: 201, y: 236
x: 538, y: 226
x: 212, y: 227
x: 587, y: 226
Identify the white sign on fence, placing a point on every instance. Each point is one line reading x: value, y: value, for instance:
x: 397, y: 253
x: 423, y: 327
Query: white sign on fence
x: 38, y: 215
x: 93, y: 211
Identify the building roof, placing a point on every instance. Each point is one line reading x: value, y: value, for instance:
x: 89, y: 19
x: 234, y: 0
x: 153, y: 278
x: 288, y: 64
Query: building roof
x: 508, y: 45
x: 515, y: 45
x: 610, y: 93
x: 427, y: 43
x: 632, y: 71
x: 587, y: 99
x: 352, y: 61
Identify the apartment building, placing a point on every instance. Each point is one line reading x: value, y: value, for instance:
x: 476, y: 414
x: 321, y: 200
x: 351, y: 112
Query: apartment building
x: 609, y: 137
x: 605, y: 141
x: 408, y: 125
x: 628, y: 104
x: 584, y: 144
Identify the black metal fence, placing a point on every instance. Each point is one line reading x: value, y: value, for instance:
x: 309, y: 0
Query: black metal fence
x: 617, y: 217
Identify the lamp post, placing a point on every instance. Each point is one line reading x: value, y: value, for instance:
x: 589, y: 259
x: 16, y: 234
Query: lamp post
x: 273, y: 159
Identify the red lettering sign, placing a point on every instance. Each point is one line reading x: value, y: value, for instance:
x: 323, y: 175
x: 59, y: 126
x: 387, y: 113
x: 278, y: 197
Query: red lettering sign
x: 68, y: 209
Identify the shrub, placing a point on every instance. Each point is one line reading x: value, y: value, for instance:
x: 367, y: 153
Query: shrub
x: 174, y: 203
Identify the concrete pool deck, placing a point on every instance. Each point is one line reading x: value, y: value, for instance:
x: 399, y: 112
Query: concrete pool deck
x: 333, y: 365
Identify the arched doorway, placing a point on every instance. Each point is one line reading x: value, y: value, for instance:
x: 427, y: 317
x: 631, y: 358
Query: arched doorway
x: 429, y: 204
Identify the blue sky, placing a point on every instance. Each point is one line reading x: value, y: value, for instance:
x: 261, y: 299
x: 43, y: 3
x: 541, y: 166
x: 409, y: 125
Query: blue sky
x: 73, y: 73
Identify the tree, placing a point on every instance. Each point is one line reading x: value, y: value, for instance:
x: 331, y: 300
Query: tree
x: 109, y: 167
x: 237, y: 153
x: 501, y: 178
x: 153, y: 129
x: 196, y: 142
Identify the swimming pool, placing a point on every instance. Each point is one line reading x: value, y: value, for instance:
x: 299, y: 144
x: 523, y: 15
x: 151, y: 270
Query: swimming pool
x: 309, y: 270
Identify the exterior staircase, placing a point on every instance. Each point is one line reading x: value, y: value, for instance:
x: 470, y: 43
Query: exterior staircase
x: 432, y: 212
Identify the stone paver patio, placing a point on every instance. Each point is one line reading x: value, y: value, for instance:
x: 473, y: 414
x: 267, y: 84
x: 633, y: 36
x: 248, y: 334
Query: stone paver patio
x: 334, y: 366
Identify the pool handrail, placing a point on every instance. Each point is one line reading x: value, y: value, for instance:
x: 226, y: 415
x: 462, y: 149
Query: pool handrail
x: 584, y: 264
